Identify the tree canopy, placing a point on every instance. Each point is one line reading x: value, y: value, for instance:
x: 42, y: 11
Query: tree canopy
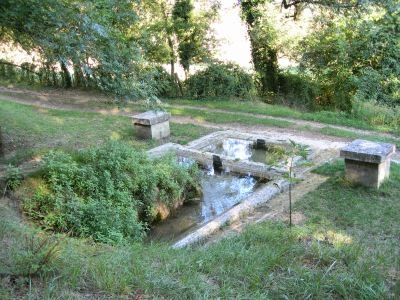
x: 89, y: 37
x: 351, y: 52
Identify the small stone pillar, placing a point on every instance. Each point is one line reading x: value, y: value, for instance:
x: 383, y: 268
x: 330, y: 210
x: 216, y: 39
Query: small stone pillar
x: 152, y: 125
x: 367, y: 163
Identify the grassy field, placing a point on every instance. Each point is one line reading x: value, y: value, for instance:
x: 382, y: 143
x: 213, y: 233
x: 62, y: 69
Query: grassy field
x: 237, y: 118
x: 32, y: 130
x: 365, y: 116
x: 348, y: 247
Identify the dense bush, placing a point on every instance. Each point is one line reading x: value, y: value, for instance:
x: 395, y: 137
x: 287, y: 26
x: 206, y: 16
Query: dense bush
x: 165, y: 86
x: 356, y: 59
x: 109, y: 193
x: 298, y: 90
x: 220, y: 80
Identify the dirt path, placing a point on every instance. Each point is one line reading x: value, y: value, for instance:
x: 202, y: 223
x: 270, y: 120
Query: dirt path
x: 298, y: 122
x: 327, y: 146
x: 94, y: 102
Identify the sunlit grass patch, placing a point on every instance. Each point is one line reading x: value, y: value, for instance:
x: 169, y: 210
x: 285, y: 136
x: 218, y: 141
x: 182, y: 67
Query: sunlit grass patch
x: 365, y: 115
x: 31, y: 130
x: 328, y: 130
x: 369, y: 217
x: 229, y: 117
x: 346, y: 249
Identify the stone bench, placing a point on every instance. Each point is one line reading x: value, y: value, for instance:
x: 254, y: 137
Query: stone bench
x: 367, y: 163
x: 152, y: 125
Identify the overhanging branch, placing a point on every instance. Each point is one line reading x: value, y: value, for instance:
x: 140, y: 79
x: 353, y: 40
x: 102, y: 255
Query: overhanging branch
x: 286, y: 4
x: 3, y: 62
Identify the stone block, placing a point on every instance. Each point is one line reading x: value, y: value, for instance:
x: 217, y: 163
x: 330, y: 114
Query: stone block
x: 152, y: 125
x: 367, y: 163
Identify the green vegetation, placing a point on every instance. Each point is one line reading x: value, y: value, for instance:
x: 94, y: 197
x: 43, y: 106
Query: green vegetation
x: 345, y: 57
x: 34, y: 130
x: 347, y: 248
x: 13, y: 179
x: 44, y: 27
x: 220, y: 81
x: 274, y: 154
x: 87, y: 208
x: 185, y: 133
x: 108, y: 193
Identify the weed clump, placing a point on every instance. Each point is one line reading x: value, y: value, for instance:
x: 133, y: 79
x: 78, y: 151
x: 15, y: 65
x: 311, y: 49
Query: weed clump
x: 109, y: 193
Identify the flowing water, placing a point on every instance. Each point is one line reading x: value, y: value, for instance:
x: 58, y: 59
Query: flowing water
x: 220, y: 193
x: 238, y: 149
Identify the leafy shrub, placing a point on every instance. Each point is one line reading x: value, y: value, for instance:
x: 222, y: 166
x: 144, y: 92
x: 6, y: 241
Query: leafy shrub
x: 108, y: 193
x: 298, y: 90
x: 13, y: 178
x: 25, y: 73
x: 220, y: 80
x: 355, y: 59
x: 161, y: 81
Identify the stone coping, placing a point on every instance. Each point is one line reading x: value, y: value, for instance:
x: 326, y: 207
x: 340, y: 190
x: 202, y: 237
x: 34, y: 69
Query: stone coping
x: 217, y: 136
x: 151, y: 117
x: 240, y: 167
x: 256, y: 199
x: 196, y: 150
x: 164, y: 149
x: 206, y: 158
x: 367, y: 151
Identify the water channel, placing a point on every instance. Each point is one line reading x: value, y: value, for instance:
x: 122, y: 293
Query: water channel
x: 220, y: 192
x: 237, y: 149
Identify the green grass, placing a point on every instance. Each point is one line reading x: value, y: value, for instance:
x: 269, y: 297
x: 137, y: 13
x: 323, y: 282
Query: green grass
x: 326, y: 117
x: 347, y: 249
x: 228, y: 117
x: 31, y: 130
x: 34, y: 125
x: 234, y: 117
x: 185, y: 133
x: 355, y: 135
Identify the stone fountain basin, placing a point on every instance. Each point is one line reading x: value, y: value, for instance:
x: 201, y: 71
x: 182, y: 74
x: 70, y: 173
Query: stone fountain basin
x: 200, y: 151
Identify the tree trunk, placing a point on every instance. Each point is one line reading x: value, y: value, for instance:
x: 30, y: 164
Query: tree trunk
x: 179, y: 84
x: 172, y: 56
x: 54, y: 76
x: 169, y: 39
x: 174, y: 78
x: 172, y: 68
x: 67, y: 75
x: 79, y: 77
x: 264, y: 56
x: 265, y: 62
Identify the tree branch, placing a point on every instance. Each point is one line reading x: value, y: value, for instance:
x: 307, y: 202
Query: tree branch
x: 18, y: 66
x: 286, y: 4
